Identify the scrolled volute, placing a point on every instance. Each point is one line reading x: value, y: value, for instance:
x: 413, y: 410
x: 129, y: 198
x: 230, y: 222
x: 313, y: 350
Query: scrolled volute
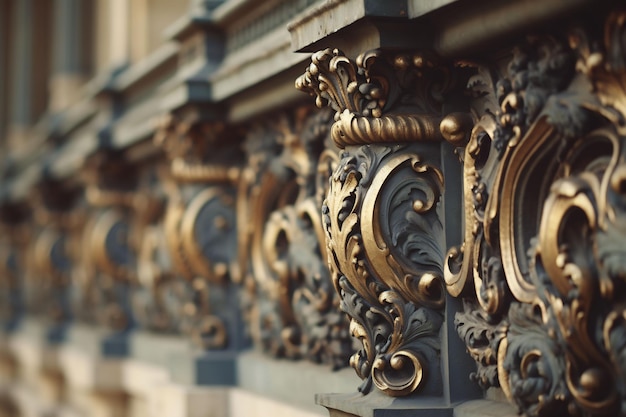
x: 290, y: 306
x: 59, y: 217
x: 541, y: 269
x: 384, y: 235
x: 200, y: 223
x: 385, y: 250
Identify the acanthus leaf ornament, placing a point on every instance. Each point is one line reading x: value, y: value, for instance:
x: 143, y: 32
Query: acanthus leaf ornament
x: 384, y: 233
x: 371, y: 101
x: 541, y: 270
x: 290, y: 307
x: 200, y: 225
x: 384, y: 240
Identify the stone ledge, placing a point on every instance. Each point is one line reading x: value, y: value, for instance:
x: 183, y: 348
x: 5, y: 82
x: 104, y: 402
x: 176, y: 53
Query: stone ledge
x: 377, y: 404
x: 70, y: 157
x: 331, y: 16
x: 485, y: 408
x: 28, y: 404
x: 145, y: 381
x: 254, y: 63
x: 449, y: 27
x: 421, y: 7
x: 464, y: 29
x: 245, y: 403
x: 292, y: 382
x: 174, y: 400
x: 86, y: 372
x: 139, y: 378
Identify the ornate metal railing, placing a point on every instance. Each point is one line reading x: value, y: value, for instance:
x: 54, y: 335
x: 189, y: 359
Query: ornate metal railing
x: 540, y: 270
x: 427, y: 197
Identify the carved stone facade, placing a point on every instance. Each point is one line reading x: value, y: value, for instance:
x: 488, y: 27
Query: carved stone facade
x: 442, y: 213
x: 540, y: 270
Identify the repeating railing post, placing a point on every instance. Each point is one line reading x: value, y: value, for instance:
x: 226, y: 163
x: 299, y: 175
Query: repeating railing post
x: 385, y: 219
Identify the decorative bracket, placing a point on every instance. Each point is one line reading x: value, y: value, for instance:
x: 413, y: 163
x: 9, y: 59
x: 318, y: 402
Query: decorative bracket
x: 382, y: 217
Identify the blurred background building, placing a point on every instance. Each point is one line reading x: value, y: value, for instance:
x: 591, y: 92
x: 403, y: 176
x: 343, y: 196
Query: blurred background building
x: 184, y: 232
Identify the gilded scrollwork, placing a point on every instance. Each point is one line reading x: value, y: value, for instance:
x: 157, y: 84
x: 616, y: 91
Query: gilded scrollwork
x: 382, y: 219
x: 156, y: 299
x: 541, y: 269
x: 206, y: 252
x: 58, y: 218
x: 385, y: 251
x: 111, y: 268
x: 290, y: 306
x: 108, y: 251
x: 51, y: 256
x: 11, y: 288
x: 393, y: 99
x: 199, y: 227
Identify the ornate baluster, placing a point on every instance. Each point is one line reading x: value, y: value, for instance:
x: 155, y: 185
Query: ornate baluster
x: 109, y: 252
x: 383, y: 215
x: 541, y: 271
x: 200, y: 228
x: 290, y: 306
x: 59, y: 219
